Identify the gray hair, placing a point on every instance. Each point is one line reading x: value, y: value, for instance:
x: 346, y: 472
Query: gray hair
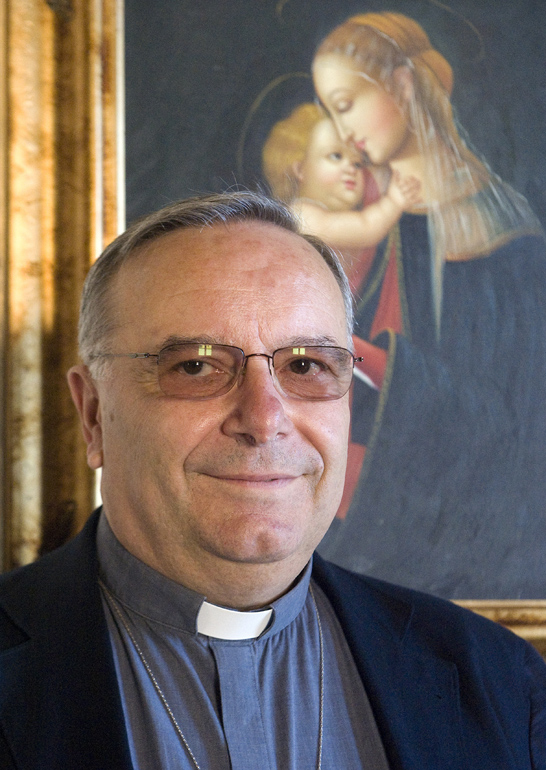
x: 200, y: 211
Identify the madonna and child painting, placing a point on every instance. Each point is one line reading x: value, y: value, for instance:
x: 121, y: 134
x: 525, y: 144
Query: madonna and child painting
x: 447, y: 263
x: 446, y: 480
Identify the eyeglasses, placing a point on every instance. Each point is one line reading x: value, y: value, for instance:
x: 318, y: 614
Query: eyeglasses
x: 198, y: 371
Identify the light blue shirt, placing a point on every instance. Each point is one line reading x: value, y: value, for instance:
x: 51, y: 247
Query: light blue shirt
x: 252, y: 704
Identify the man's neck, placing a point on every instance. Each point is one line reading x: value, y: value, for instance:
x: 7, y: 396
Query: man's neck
x: 237, y: 585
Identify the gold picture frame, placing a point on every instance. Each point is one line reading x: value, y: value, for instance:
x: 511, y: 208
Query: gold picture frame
x: 526, y: 618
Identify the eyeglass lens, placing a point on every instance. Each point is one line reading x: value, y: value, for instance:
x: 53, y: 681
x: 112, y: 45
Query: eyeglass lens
x: 201, y: 371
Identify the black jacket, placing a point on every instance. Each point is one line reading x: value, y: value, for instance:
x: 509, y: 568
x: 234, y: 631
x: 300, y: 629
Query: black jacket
x: 449, y: 689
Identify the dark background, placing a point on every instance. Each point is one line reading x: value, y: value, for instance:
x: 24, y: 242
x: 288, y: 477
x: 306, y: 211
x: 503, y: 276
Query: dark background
x: 194, y: 70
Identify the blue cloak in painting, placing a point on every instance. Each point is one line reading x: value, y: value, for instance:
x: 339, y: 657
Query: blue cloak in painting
x: 451, y: 497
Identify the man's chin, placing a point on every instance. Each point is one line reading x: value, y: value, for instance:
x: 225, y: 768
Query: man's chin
x: 268, y: 545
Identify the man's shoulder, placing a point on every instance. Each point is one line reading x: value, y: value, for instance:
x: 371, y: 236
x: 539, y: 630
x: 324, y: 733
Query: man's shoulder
x: 51, y: 584
x: 416, y: 618
x: 413, y: 650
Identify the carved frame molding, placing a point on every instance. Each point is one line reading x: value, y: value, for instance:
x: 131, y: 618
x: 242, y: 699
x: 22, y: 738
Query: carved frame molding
x: 61, y: 199
x: 526, y: 618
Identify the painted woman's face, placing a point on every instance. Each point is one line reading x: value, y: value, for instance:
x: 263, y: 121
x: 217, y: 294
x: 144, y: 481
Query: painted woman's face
x: 364, y: 113
x: 331, y: 172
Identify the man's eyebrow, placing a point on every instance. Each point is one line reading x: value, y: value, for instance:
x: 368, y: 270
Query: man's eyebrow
x: 322, y: 339
x: 174, y: 339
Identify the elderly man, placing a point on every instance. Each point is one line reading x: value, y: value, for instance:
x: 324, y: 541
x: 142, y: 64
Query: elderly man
x: 189, y: 625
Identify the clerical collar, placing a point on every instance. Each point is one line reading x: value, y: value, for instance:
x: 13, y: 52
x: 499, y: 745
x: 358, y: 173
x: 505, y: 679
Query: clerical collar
x: 149, y: 593
x: 223, y: 623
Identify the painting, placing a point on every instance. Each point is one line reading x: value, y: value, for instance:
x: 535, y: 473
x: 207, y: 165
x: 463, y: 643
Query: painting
x: 435, y: 110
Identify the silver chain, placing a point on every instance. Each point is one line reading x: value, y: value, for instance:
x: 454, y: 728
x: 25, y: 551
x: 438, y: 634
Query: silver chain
x: 321, y: 679
x: 114, y: 606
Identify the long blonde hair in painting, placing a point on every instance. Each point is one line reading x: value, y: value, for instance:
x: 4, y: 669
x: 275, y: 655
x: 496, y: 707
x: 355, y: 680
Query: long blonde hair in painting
x: 285, y: 146
x: 470, y: 210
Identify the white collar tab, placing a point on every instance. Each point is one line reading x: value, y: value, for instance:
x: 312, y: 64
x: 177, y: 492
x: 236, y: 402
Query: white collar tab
x: 221, y: 623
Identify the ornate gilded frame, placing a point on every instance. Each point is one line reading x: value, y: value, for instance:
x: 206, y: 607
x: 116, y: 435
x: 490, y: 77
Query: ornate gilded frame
x: 526, y: 618
x: 61, y: 199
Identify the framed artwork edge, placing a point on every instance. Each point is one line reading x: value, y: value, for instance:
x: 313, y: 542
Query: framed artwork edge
x: 61, y: 127
x: 525, y: 617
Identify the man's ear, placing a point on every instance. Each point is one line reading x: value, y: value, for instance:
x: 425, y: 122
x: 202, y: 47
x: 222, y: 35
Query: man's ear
x: 403, y: 77
x: 86, y: 398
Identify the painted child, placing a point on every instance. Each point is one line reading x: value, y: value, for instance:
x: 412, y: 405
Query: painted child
x: 325, y: 182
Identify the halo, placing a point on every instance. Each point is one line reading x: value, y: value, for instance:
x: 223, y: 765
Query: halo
x: 481, y: 52
x: 255, y: 106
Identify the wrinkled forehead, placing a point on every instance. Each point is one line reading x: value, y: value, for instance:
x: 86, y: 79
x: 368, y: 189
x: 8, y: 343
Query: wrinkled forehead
x: 236, y: 271
x: 197, y: 256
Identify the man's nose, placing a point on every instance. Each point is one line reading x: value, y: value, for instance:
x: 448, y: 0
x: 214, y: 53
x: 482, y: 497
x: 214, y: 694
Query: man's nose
x: 258, y: 414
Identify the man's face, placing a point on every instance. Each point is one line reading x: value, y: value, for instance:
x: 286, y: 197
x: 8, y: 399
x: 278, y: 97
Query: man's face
x: 251, y: 476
